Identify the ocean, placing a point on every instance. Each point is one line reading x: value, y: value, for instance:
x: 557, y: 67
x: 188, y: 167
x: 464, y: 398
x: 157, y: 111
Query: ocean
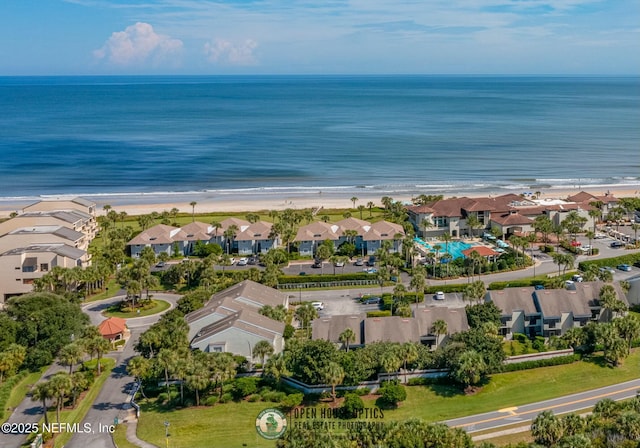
x: 109, y: 137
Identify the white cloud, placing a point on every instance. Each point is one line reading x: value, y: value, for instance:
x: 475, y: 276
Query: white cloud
x: 138, y: 44
x: 225, y: 52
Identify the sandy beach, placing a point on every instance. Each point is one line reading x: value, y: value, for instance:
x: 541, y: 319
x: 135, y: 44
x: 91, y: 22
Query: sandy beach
x: 206, y: 203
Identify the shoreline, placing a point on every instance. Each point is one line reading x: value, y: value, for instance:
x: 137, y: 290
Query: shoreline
x: 264, y: 200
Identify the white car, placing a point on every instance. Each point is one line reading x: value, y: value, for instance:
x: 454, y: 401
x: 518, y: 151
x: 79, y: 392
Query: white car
x: 439, y: 295
x: 339, y: 264
x: 318, y: 305
x: 243, y: 261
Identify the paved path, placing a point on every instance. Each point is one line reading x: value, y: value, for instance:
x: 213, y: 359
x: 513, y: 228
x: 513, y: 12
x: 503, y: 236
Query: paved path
x: 526, y: 413
x: 114, y: 398
x: 28, y: 411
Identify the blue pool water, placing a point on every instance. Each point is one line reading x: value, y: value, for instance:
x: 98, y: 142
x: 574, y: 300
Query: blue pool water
x: 454, y: 248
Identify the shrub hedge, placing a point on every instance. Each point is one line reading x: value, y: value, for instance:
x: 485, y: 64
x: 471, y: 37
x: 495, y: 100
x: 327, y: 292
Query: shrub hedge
x: 454, y: 287
x: 324, y: 278
x: 5, y: 391
x: 629, y: 259
x: 525, y: 365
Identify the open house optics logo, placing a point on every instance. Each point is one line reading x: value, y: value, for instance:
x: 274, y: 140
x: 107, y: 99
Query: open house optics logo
x: 271, y: 423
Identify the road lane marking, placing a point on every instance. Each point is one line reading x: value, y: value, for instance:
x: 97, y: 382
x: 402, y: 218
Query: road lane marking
x: 511, y: 410
x: 569, y: 403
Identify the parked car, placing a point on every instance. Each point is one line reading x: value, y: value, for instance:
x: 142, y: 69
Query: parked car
x: 252, y: 260
x: 243, y: 261
x: 617, y: 244
x: 371, y: 261
x: 317, y: 264
x: 624, y: 267
x: 359, y: 262
x: 318, y: 305
x: 370, y: 270
x: 539, y: 287
x: 232, y: 261
x: 372, y: 301
x: 339, y: 264
x: 161, y: 264
x: 439, y: 295
x: 577, y: 278
x: 607, y: 268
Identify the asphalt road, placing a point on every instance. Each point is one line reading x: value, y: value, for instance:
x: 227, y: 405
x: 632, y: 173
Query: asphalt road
x: 526, y: 413
x: 113, y: 399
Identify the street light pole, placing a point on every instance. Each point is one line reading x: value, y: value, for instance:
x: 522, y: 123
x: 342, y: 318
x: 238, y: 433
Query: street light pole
x: 166, y: 432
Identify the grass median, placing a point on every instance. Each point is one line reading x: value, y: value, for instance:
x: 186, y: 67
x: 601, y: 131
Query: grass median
x: 158, y: 307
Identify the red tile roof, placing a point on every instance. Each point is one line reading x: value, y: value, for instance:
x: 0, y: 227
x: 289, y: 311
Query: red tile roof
x: 483, y: 251
x: 112, y: 326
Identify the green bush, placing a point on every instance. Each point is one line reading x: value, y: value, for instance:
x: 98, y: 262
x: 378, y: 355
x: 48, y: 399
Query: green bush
x: 525, y: 365
x: 521, y: 338
x: 391, y: 394
x: 6, y: 388
x: 379, y: 313
x: 454, y: 287
x: 419, y: 381
x: 254, y: 398
x: 211, y: 400
x: 352, y: 405
x: 323, y: 278
x: 226, y: 398
x: 244, y: 387
x: 362, y: 391
x: 292, y: 400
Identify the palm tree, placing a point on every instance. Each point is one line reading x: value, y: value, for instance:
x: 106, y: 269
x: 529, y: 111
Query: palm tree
x: 230, y: 235
x: 370, y: 206
x: 100, y: 346
x: 410, y: 354
x: 635, y: 228
x: 354, y: 200
x: 547, y: 429
x: 333, y: 374
x: 61, y: 386
x: 165, y: 359
x: 42, y: 392
x: 361, y: 208
x: 140, y: 368
x: 198, y: 379
x: 193, y: 210
x: 70, y: 354
x: 438, y: 328
x: 261, y: 350
x: 389, y: 361
x: 305, y: 313
x: 473, y: 223
x: 469, y: 369
x: 346, y: 337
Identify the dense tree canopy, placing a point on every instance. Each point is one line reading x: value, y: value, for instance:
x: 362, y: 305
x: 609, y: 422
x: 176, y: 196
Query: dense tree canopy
x: 44, y: 322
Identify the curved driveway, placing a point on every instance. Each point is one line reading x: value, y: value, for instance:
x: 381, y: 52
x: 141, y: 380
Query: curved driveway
x: 113, y: 399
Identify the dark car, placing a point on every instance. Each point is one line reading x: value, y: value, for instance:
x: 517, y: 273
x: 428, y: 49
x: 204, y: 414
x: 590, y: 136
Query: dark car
x: 317, y: 264
x: 539, y: 287
x: 617, y: 244
x: 252, y: 260
x: 372, y: 301
x: 371, y: 261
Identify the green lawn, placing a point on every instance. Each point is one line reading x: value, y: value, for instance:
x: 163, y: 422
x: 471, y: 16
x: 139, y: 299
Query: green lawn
x: 120, y: 437
x: 20, y: 391
x: 232, y: 424
x: 226, y: 425
x: 159, y: 306
x: 434, y: 403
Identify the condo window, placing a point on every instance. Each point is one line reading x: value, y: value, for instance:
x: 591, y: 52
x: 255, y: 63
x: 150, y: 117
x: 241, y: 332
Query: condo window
x: 44, y: 267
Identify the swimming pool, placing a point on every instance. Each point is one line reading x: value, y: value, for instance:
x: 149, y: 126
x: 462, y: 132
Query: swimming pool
x: 455, y: 248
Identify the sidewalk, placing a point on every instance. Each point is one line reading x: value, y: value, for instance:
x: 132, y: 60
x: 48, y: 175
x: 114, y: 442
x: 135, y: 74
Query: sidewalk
x: 132, y: 427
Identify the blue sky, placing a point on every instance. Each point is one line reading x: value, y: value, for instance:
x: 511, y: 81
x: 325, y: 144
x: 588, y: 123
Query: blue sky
x: 50, y: 37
